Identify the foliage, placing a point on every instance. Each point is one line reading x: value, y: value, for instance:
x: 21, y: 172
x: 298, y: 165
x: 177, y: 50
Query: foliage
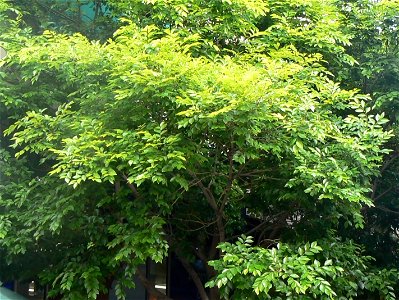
x: 92, y: 18
x: 328, y: 269
x: 161, y: 136
x: 375, y: 48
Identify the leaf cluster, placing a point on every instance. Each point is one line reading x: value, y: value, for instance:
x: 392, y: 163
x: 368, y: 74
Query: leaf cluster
x: 328, y: 269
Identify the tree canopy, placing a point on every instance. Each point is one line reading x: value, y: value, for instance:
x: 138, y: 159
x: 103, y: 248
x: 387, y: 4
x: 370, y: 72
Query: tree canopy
x: 194, y: 123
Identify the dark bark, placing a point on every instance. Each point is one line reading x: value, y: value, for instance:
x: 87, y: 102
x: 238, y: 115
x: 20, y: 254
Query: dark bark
x: 386, y: 164
x: 132, y: 187
x: 219, y: 235
x: 213, y: 204
x: 108, y: 286
x: 103, y: 296
x: 194, y: 276
x: 210, y: 272
x: 214, y: 294
x: 150, y: 286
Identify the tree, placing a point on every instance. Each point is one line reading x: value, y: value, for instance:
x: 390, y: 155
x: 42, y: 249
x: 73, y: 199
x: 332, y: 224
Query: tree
x: 158, y: 139
x: 373, y: 27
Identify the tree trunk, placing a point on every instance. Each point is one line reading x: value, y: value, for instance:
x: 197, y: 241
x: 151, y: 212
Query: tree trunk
x: 108, y: 285
x: 103, y: 296
x: 214, y: 294
x: 194, y: 276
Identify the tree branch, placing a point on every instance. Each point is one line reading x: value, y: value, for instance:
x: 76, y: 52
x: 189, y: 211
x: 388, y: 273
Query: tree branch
x: 209, y: 270
x: 150, y: 286
x: 382, y: 194
x: 220, y: 234
x: 259, y: 226
x: 229, y: 185
x: 387, y: 210
x: 206, y: 191
x: 383, y: 168
x: 131, y: 187
x: 194, y: 276
x: 212, y: 202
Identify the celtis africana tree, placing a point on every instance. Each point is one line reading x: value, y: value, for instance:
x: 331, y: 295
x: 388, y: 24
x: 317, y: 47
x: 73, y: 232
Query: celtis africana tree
x: 195, y: 123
